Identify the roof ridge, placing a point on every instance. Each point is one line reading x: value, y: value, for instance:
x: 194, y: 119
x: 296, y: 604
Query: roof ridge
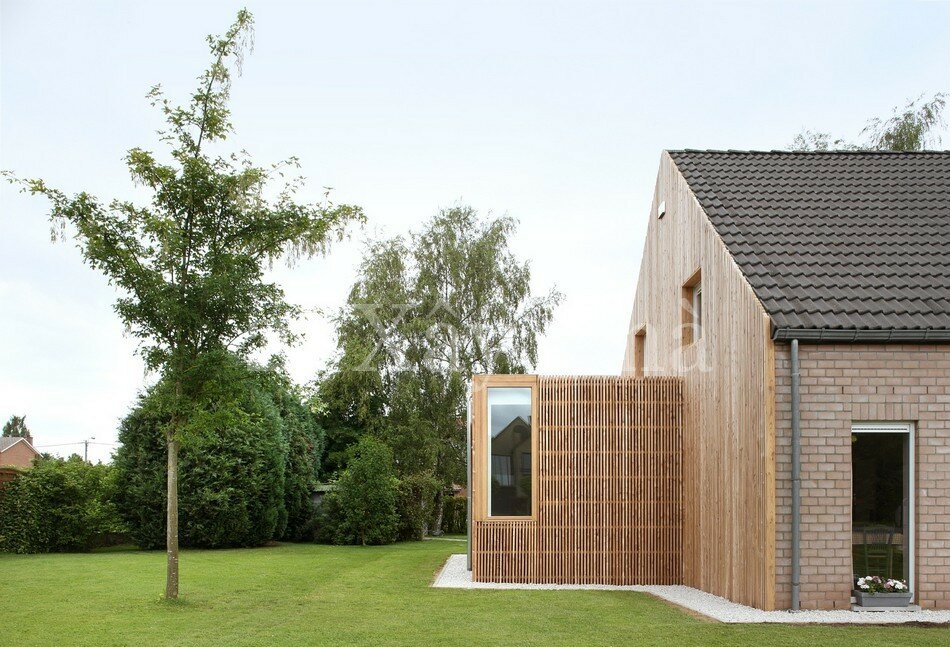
x: 736, y: 151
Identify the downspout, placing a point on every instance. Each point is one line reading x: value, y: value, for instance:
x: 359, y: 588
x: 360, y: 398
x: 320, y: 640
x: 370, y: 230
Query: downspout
x: 796, y: 476
x: 468, y: 477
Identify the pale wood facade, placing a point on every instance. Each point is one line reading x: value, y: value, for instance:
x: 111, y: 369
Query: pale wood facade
x: 729, y: 393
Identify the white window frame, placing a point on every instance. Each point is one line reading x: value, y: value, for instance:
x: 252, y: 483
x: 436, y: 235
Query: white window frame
x: 697, y: 306
x: 900, y: 428
x: 691, y: 317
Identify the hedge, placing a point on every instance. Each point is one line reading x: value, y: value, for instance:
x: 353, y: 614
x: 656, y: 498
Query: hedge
x: 247, y: 464
x: 58, y: 506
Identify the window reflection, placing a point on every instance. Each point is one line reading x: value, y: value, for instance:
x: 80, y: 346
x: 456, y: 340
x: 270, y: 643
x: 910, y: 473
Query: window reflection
x: 509, y: 414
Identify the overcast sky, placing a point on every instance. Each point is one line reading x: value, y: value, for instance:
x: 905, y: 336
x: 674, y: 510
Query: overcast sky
x: 552, y: 112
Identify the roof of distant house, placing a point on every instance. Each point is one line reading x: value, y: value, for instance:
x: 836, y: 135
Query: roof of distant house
x: 836, y: 245
x: 6, y: 442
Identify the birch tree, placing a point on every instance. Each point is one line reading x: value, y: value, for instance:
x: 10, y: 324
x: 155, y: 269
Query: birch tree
x: 425, y: 314
x: 915, y: 127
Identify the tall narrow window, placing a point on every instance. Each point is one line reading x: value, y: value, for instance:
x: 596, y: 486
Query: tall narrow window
x: 693, y: 308
x: 697, y: 311
x: 510, y: 451
x: 882, y: 500
x: 639, y: 352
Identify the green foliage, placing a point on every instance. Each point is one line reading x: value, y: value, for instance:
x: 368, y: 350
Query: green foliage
x: 353, y: 403
x: 415, y: 505
x: 425, y: 314
x: 912, y: 128
x: 304, y: 441
x: 455, y: 515
x: 16, y: 427
x: 810, y: 140
x: 909, y: 129
x: 57, y: 506
x: 340, y: 439
x: 362, y: 508
x: 247, y: 462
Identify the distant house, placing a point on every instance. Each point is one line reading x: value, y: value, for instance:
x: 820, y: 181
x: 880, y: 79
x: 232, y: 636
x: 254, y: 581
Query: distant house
x: 17, y: 451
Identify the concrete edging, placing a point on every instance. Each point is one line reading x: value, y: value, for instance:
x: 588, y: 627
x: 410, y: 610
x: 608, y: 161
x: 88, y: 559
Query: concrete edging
x: 453, y: 575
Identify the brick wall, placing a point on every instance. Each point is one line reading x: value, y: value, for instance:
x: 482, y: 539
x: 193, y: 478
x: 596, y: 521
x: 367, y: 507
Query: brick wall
x: 841, y: 384
x: 19, y: 455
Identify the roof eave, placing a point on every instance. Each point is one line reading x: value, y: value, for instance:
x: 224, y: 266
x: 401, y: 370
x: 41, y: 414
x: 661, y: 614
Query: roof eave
x: 20, y: 439
x: 844, y: 335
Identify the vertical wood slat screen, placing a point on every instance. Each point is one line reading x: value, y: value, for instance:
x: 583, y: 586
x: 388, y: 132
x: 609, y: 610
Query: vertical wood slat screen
x: 610, y: 488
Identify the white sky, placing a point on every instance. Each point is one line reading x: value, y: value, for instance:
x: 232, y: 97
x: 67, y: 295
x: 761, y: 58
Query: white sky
x: 553, y: 112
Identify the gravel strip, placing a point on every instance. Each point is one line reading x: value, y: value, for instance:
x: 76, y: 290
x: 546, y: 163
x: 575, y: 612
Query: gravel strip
x: 454, y: 576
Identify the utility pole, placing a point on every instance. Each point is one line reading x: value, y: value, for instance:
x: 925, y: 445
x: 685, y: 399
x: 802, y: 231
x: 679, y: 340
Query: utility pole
x: 85, y: 451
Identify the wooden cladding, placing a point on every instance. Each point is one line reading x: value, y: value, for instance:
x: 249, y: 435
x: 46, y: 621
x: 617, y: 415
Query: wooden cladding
x: 609, y: 503
x: 729, y: 393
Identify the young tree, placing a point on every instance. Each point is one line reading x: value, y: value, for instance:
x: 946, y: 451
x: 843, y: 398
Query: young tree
x: 191, y: 263
x: 423, y: 317
x: 913, y: 128
x: 16, y: 426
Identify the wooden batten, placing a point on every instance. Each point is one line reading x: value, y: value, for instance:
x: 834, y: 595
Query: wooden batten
x: 608, y: 489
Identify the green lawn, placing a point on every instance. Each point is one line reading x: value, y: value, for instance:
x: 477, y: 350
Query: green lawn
x: 323, y: 595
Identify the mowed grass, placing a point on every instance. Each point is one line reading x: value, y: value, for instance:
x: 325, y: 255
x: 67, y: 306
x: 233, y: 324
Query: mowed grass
x: 304, y: 594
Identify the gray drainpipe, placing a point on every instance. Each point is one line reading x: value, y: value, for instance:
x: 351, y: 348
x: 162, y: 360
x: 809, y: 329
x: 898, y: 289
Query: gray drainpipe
x: 796, y: 477
x: 468, y: 475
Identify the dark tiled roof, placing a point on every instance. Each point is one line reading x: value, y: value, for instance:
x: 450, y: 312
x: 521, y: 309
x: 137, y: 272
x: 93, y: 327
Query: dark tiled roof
x: 839, y: 241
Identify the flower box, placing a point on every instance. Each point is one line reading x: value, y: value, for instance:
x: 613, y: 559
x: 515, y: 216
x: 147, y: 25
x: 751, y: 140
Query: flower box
x: 873, y: 591
x: 866, y: 599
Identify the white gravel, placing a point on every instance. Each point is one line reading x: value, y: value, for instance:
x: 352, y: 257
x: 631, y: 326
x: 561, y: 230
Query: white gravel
x: 455, y: 576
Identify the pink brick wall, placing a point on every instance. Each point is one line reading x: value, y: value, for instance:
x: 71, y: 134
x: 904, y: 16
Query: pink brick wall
x: 845, y: 383
x: 18, y: 455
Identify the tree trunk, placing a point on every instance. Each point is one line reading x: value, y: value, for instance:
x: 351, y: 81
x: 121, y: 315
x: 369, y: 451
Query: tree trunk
x: 171, y: 526
x: 437, y: 524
